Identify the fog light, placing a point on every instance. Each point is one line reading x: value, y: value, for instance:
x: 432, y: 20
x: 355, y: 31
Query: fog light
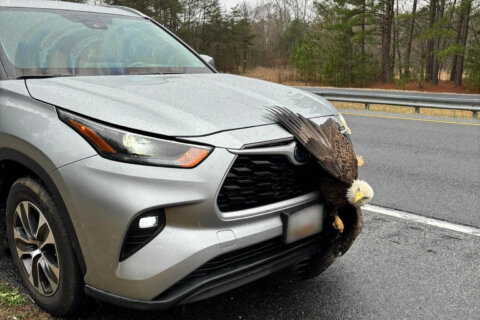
x: 143, y: 229
x: 148, y: 222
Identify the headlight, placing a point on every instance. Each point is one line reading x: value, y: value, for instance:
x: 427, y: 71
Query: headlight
x: 120, y: 145
x: 344, y: 123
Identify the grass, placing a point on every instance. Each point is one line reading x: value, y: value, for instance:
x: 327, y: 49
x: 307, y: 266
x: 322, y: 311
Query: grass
x: 405, y: 110
x: 15, y: 305
x: 10, y: 296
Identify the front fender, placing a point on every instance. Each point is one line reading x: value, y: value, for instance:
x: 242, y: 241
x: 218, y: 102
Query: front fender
x: 32, y: 135
x: 24, y: 160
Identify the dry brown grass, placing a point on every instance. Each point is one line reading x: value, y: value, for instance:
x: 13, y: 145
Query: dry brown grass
x: 290, y: 77
x: 278, y: 75
x: 405, y: 110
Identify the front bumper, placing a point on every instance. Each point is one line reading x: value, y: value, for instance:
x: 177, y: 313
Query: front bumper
x: 312, y: 256
x: 103, y: 197
x: 224, y: 273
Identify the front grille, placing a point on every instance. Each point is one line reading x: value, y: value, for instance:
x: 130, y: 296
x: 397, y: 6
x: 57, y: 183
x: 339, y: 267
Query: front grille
x: 257, y: 180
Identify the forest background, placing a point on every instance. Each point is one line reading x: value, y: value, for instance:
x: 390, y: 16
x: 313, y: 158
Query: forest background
x: 343, y: 43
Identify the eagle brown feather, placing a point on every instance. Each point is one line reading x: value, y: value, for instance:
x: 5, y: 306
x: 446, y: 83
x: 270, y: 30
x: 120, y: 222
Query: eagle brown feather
x: 338, y: 166
x: 325, y: 142
x: 337, y: 173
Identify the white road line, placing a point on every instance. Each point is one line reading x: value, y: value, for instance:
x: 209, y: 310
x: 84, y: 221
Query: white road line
x: 424, y: 220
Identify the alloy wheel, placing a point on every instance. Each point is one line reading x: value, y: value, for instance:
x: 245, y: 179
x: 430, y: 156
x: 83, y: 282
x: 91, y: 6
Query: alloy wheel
x: 36, y: 248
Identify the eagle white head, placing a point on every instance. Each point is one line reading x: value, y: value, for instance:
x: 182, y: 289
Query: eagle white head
x: 359, y: 194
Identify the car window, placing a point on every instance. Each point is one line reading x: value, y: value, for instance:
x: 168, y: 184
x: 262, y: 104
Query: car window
x: 68, y: 43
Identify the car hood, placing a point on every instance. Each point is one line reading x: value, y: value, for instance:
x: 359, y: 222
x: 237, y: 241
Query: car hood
x: 176, y: 105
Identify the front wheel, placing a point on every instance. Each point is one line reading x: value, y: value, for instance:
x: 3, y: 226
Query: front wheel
x: 41, y: 248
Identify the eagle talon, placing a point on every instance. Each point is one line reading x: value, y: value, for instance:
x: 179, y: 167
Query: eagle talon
x: 360, y: 161
x: 338, y: 224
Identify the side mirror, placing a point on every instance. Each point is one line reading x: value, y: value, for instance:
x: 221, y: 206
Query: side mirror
x: 208, y: 59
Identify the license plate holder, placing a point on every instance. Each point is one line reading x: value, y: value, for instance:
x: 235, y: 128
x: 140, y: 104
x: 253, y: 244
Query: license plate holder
x: 302, y: 223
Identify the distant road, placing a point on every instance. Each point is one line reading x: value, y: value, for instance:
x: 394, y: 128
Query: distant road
x: 428, y: 168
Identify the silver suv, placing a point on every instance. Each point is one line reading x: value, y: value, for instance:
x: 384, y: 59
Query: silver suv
x: 132, y: 171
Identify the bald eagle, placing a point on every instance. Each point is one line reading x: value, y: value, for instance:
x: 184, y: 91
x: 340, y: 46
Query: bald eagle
x: 337, y: 163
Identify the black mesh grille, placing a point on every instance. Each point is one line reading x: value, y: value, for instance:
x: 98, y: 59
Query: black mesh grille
x: 237, y: 257
x: 257, y: 180
x: 227, y: 264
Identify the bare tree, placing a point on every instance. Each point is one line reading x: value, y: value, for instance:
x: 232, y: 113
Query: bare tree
x: 299, y: 9
x: 387, y: 40
x: 396, y: 42
x: 461, y: 40
x: 283, y: 10
x: 410, y: 39
x: 436, y: 46
x: 430, y: 41
x: 465, y: 18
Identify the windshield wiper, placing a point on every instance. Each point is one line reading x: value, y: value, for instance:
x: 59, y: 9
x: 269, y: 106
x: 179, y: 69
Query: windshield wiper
x: 153, y: 73
x: 41, y: 76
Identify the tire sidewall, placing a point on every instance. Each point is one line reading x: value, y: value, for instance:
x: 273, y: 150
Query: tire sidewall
x: 62, y: 302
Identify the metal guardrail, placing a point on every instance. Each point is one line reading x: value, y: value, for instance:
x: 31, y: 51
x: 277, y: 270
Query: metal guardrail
x: 417, y: 100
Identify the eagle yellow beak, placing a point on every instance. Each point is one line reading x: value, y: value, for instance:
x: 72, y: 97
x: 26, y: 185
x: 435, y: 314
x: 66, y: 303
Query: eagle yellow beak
x: 358, y: 197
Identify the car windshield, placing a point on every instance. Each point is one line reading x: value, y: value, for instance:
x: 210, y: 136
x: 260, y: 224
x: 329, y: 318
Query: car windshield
x: 46, y: 43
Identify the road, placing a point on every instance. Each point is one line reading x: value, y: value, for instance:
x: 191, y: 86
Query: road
x: 397, y: 269
x: 428, y: 168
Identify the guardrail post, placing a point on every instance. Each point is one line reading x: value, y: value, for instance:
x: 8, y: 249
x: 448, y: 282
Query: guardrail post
x: 367, y: 106
x: 417, y: 110
x: 475, y: 114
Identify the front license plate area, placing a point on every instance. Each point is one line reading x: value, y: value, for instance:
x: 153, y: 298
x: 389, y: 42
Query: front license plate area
x: 302, y: 223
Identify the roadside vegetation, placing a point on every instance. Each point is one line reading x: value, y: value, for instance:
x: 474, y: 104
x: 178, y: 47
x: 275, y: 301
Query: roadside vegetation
x: 345, y: 43
x: 292, y: 78
x: 405, y: 110
x: 289, y: 77
x: 15, y: 305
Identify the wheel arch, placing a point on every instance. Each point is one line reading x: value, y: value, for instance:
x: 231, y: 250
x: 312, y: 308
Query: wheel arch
x: 27, y: 166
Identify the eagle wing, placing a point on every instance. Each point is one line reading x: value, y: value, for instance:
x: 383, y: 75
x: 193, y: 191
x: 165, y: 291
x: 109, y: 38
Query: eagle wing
x: 325, y: 142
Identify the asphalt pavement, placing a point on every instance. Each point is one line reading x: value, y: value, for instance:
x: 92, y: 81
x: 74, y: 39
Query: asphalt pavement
x: 424, y: 167
x: 397, y: 269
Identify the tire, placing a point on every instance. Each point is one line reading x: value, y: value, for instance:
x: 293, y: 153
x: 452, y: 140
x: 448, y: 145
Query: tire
x: 55, y: 281
x: 3, y: 235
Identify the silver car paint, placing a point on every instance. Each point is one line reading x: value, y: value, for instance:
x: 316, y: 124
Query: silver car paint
x: 176, y: 105
x: 108, y: 195
x: 248, y: 137
x: 33, y: 128
x: 103, y: 196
